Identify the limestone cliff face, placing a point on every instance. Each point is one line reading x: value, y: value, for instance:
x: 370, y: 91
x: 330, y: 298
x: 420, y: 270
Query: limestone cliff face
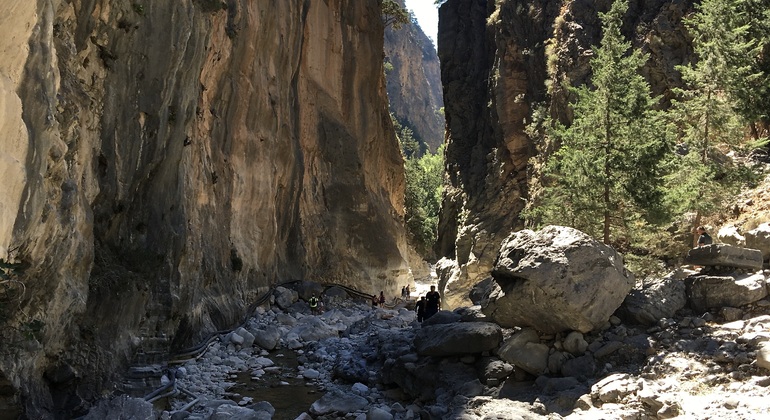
x: 164, y: 163
x: 414, y: 83
x: 494, y: 67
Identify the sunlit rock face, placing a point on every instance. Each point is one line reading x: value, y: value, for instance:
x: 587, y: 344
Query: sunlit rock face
x: 498, y: 61
x: 413, y: 81
x: 164, y: 163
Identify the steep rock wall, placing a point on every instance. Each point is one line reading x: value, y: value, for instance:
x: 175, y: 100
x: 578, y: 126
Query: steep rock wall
x: 494, y: 67
x: 414, y: 83
x: 164, y: 163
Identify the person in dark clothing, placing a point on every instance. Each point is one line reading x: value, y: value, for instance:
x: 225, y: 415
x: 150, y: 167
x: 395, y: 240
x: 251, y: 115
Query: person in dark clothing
x: 382, y: 299
x: 704, y: 238
x: 419, y: 307
x: 432, y: 302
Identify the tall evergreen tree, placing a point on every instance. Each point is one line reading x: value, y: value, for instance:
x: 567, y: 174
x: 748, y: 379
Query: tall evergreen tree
x: 708, y: 113
x: 605, y: 174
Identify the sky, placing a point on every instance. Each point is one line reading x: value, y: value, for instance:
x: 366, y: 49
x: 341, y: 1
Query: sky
x: 426, y: 13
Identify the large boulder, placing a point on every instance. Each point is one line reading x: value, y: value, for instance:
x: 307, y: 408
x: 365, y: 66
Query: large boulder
x: 457, y: 338
x: 659, y: 299
x: 705, y: 292
x: 725, y: 255
x: 759, y: 238
x: 555, y: 280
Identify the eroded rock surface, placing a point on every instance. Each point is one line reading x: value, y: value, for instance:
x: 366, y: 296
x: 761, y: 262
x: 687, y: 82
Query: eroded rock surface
x: 165, y: 163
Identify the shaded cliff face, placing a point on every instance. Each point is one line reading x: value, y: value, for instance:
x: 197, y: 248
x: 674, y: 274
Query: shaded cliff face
x: 164, y: 163
x: 494, y: 68
x: 414, y: 83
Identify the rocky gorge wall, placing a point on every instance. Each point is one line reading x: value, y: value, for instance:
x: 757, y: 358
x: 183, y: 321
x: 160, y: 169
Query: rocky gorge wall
x: 165, y: 163
x: 414, y: 83
x: 498, y: 59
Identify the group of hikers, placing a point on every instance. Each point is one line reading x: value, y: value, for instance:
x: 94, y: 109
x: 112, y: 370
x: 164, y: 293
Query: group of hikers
x: 426, y: 306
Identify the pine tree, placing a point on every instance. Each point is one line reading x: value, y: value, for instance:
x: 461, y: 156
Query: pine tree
x: 606, y: 175
x: 707, y: 113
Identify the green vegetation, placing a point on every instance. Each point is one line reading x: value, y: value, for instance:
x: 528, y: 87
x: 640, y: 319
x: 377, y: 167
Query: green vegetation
x: 604, y: 179
x: 393, y: 15
x: 623, y: 168
x: 424, y: 186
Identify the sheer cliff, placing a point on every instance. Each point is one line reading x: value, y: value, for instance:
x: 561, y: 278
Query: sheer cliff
x: 498, y: 58
x: 413, y: 81
x: 164, y: 163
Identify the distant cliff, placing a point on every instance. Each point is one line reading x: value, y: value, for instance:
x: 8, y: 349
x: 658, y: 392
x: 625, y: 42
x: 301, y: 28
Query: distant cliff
x: 414, y: 82
x: 497, y: 59
x: 163, y: 163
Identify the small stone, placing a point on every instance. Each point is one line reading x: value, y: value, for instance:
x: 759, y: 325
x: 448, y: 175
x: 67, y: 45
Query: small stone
x: 669, y: 411
x: 731, y: 403
x: 731, y: 314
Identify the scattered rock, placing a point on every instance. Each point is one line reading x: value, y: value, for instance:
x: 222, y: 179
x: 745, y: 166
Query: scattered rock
x: 658, y: 299
x: 525, y: 351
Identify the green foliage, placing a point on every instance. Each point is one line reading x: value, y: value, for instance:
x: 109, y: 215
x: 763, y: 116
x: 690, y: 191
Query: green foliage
x: 605, y: 174
x: 393, y: 15
x: 424, y: 185
x: 387, y: 66
x: 708, y: 123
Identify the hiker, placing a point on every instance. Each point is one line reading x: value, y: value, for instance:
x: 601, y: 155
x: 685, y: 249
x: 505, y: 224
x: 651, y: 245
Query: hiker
x: 382, y: 298
x: 419, y: 307
x: 375, y: 301
x: 313, y: 304
x: 704, y: 238
x: 403, y: 292
x: 432, y: 302
x: 406, y: 292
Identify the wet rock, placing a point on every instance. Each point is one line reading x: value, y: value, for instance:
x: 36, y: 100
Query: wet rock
x: 525, y: 351
x: 705, y: 292
x: 534, y: 271
x: 660, y: 298
x: 725, y: 255
x: 457, y: 338
x: 339, y: 402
